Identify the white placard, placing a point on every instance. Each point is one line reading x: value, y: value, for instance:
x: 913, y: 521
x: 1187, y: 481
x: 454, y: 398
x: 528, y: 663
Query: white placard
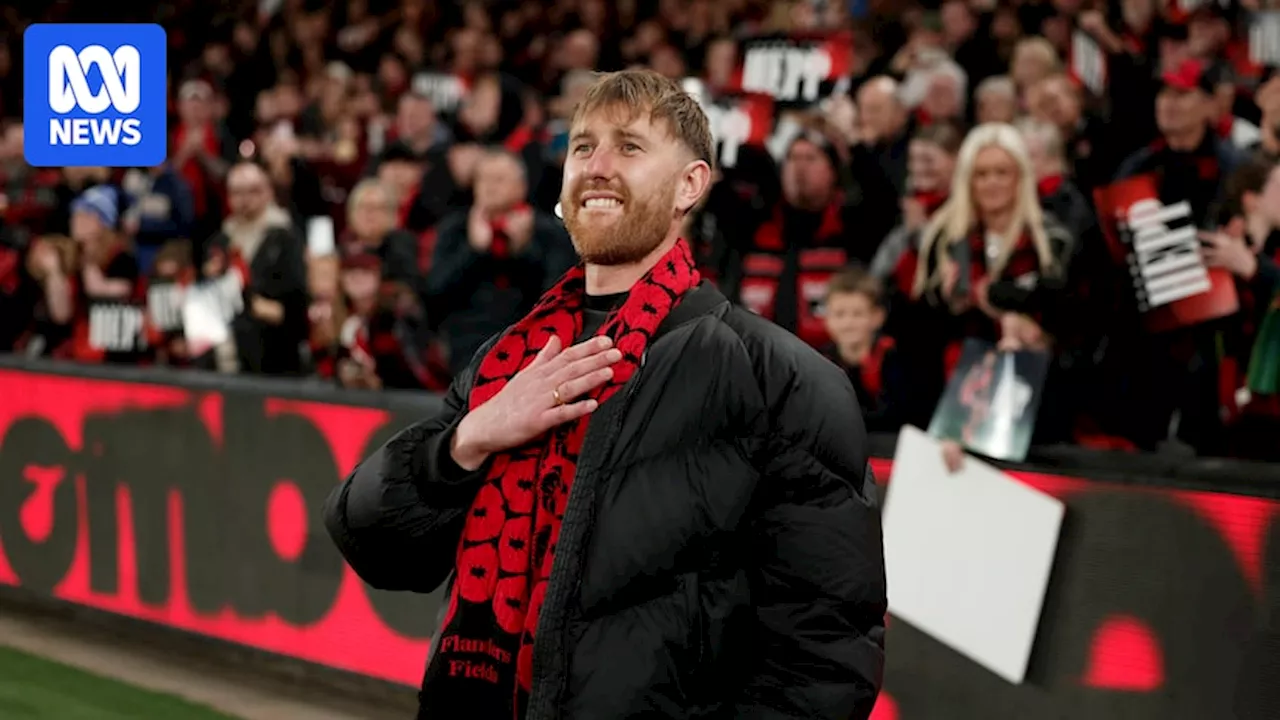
x: 1088, y: 62
x: 204, y: 318
x: 320, y: 236
x: 1264, y: 38
x: 968, y: 555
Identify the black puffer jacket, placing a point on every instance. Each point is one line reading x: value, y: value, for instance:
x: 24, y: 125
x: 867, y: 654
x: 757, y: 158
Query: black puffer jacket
x: 720, y: 555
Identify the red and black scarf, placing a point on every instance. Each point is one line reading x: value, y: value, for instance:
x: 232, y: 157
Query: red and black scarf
x: 482, y: 663
x: 192, y: 171
x: 818, y: 258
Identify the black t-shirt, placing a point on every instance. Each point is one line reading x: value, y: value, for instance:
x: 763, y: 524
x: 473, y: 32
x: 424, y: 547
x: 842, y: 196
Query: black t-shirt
x: 596, y: 310
x: 116, y: 324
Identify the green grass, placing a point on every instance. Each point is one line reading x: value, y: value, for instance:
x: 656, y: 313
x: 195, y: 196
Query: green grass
x: 32, y: 688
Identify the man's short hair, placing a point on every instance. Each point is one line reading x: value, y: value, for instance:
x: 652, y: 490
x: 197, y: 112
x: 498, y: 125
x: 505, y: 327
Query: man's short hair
x: 1000, y: 84
x: 946, y: 134
x: 639, y: 90
x: 414, y: 95
x: 575, y: 78
x: 1047, y: 134
x: 856, y: 281
x: 1250, y: 177
x: 1042, y: 48
x: 366, y: 186
x: 250, y: 166
x: 501, y: 153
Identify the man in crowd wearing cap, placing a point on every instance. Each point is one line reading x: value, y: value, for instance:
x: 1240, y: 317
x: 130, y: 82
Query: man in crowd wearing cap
x: 1189, y: 159
x: 651, y: 502
x: 1175, y: 395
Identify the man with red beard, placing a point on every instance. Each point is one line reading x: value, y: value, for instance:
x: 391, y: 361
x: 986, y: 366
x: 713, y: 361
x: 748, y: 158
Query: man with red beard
x: 644, y: 500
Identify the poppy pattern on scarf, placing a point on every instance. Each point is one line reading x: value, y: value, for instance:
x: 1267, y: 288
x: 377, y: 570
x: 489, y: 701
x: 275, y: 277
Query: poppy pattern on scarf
x: 483, y: 659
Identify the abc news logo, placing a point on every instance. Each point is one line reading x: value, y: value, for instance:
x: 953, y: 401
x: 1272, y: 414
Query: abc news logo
x: 69, y: 91
x: 95, y: 95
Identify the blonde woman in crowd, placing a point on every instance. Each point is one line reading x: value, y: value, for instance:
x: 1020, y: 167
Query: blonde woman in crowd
x: 990, y: 263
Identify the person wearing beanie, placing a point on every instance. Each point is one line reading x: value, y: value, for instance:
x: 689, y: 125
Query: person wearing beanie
x: 93, y: 313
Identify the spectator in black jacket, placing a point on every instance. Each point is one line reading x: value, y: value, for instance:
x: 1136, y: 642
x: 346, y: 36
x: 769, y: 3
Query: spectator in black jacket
x: 878, y: 163
x: 416, y: 127
x: 492, y: 261
x: 1059, y: 194
x: 1179, y: 388
x: 990, y: 259
x: 259, y: 248
x: 690, y: 576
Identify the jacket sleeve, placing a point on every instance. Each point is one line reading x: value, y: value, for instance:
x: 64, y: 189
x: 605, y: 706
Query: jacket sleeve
x: 819, y: 578
x: 286, y: 281
x: 1043, y: 298
x: 398, y: 517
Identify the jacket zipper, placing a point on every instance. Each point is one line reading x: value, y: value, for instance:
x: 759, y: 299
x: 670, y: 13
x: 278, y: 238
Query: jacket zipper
x: 632, y: 385
x: 615, y: 427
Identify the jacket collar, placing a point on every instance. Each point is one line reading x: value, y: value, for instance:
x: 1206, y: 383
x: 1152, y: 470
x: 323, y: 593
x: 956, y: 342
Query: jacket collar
x: 705, y: 299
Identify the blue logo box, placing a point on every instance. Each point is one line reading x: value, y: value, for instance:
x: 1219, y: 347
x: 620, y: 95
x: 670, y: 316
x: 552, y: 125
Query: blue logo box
x: 95, y: 95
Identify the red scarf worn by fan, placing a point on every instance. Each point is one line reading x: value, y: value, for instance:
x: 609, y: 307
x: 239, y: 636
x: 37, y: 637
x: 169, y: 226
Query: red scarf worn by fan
x: 482, y: 663
x: 192, y: 171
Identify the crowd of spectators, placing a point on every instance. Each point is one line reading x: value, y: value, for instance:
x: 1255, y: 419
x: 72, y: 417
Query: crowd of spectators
x: 364, y: 190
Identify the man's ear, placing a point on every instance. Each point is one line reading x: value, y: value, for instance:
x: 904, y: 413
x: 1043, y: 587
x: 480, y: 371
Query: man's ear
x: 695, y: 180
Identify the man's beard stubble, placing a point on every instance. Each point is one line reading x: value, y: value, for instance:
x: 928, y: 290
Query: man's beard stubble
x: 642, y: 227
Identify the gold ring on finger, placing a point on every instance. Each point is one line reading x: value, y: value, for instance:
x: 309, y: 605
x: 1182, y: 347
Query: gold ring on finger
x: 556, y: 394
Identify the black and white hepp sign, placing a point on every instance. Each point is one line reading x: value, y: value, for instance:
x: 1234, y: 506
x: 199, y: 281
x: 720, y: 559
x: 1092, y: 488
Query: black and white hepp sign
x: 1264, y: 38
x: 116, y: 327
x: 787, y: 71
x: 1088, y: 62
x: 1165, y: 259
x: 730, y: 127
x: 445, y: 90
x: 164, y: 306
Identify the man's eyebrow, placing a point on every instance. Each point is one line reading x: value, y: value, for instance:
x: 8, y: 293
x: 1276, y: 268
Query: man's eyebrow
x: 621, y: 134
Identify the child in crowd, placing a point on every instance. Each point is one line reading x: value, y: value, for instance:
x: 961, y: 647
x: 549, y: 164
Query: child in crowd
x: 854, y: 313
